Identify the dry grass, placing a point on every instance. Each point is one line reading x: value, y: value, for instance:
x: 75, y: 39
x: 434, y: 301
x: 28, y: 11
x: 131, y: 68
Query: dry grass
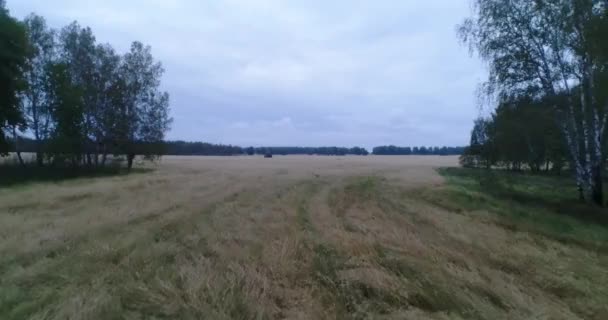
x: 281, y: 238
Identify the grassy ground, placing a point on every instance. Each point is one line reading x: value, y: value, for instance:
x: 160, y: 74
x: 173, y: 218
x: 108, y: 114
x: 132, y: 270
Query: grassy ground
x: 308, y: 238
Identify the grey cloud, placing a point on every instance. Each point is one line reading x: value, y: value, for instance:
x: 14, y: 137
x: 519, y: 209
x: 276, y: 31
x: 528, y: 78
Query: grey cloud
x: 273, y: 72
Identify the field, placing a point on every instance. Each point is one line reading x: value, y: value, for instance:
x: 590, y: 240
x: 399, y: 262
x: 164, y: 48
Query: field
x: 301, y: 237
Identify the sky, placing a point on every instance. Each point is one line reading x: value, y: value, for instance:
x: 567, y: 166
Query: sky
x: 290, y: 72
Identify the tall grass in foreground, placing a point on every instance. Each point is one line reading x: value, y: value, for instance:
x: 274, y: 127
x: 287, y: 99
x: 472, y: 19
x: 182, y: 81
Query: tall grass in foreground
x: 185, y: 242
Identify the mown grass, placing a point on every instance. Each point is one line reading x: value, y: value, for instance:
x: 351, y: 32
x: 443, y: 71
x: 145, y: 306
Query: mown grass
x: 544, y: 249
x: 338, y: 247
x: 547, y: 205
x: 568, y: 240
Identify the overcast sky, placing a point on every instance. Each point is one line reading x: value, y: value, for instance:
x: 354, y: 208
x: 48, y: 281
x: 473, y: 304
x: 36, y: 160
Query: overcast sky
x: 310, y: 72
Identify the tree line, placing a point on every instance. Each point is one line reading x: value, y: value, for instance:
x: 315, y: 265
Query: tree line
x: 548, y: 63
x: 326, y: 151
x: 77, y: 101
x: 184, y: 148
x: 422, y: 151
x: 209, y: 149
x: 521, y: 134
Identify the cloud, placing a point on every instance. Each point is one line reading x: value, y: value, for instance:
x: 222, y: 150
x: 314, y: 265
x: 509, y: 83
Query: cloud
x: 325, y: 72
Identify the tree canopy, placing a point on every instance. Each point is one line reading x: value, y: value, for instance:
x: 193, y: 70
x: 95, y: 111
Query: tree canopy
x: 13, y: 49
x: 520, y: 134
x: 79, y: 100
x: 554, y: 51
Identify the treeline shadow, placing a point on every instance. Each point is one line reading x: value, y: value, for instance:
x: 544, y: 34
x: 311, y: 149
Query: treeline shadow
x: 12, y: 175
x: 557, y: 194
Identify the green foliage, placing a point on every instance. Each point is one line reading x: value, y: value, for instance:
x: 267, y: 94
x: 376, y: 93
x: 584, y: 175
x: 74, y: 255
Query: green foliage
x: 526, y: 132
x: 67, y: 113
x: 144, y: 112
x: 80, y: 101
x: 522, y: 133
x: 480, y: 152
x: 13, y: 49
x: 35, y: 99
x: 551, y: 52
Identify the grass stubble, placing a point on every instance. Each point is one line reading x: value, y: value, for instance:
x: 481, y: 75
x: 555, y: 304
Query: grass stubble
x: 298, y: 238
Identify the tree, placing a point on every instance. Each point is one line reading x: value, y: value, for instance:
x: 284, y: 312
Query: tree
x: 40, y: 55
x: 13, y: 48
x: 479, y: 153
x: 77, y: 51
x: 79, y: 100
x: 521, y: 133
x: 108, y: 98
x: 145, y: 110
x: 540, y: 48
x: 525, y: 133
x: 394, y: 150
x: 67, y: 111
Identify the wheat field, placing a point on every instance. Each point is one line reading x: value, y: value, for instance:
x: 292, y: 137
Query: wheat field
x: 294, y: 237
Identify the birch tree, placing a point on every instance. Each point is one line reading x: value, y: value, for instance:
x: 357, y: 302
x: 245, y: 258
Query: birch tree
x: 77, y: 52
x: 41, y: 54
x: 551, y: 49
x: 67, y: 112
x: 145, y: 110
x: 107, y: 86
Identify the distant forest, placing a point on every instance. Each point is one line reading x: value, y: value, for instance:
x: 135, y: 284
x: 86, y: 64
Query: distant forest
x: 202, y: 148
x: 209, y: 149
x: 186, y: 148
x: 422, y: 151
